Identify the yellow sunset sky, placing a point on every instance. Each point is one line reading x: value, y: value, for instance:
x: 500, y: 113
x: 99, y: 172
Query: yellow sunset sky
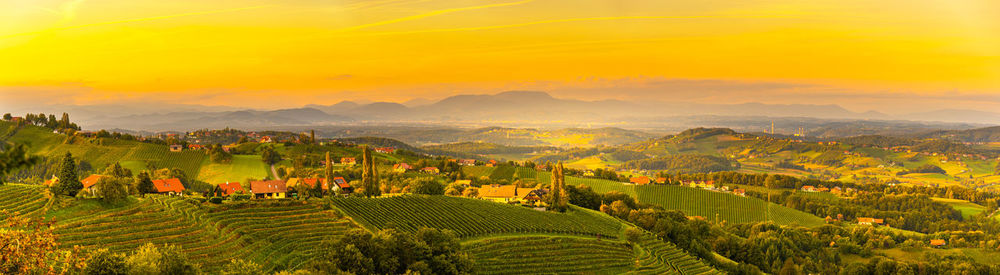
x: 296, y: 52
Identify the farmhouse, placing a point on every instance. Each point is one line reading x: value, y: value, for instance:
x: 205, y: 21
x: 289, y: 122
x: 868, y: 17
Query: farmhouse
x: 348, y: 161
x: 937, y: 242
x: 226, y: 189
x: 90, y: 183
x: 195, y: 147
x: 385, y: 150
x: 269, y: 189
x: 661, y: 180
x: 467, y: 162
x: 430, y: 170
x: 809, y: 188
x: 176, y: 148
x: 342, y: 186
x: 641, y: 180
x: 740, y: 192
x: 401, y: 167
x: 169, y: 186
x: 266, y: 139
x: 870, y: 221
x: 588, y: 173
x: 511, y: 193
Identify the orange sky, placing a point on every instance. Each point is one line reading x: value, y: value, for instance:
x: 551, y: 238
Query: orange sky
x: 289, y: 53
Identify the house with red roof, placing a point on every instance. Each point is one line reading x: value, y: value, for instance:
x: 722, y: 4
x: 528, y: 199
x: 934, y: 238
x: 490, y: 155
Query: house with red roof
x: 467, y: 162
x: 385, y: 150
x: 169, y: 186
x: 402, y: 167
x: 226, y: 189
x: 430, y: 170
x: 348, y: 161
x: 90, y: 183
x: 341, y: 186
x: 937, y: 242
x: 641, y: 180
x: 268, y: 189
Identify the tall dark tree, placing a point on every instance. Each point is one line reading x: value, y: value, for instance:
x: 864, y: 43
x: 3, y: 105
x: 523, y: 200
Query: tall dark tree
x: 144, y: 184
x: 69, y: 183
x: 312, y: 136
x: 558, y: 196
x: 369, y: 176
x: 7, y: 117
x: 116, y: 170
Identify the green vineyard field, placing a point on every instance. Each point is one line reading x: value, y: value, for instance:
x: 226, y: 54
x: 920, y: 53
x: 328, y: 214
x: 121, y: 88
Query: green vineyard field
x: 472, y: 217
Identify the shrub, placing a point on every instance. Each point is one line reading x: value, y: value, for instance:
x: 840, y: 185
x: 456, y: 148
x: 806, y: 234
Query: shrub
x: 215, y: 200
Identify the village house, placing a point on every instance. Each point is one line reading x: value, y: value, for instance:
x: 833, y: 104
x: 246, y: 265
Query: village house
x: 430, y: 170
x: 176, y: 148
x: 809, y: 188
x: 641, y: 180
x: 50, y: 182
x: 661, y: 180
x: 533, y: 197
x: 348, y: 161
x: 169, y: 187
x: 385, y: 150
x: 740, y: 192
x: 266, y: 139
x: 341, y: 186
x: 508, y: 193
x: 195, y: 147
x: 467, y: 162
x: 90, y: 183
x: 269, y: 189
x: 870, y: 221
x: 938, y: 242
x: 226, y: 189
x: 588, y: 173
x: 401, y: 167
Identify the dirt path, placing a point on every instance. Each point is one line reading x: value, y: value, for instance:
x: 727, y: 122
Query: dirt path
x: 274, y: 173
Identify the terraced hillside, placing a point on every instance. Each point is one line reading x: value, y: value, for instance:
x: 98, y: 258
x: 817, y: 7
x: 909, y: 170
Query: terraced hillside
x: 658, y: 257
x: 273, y: 234
x: 472, y: 217
x: 550, y: 255
x: 24, y: 200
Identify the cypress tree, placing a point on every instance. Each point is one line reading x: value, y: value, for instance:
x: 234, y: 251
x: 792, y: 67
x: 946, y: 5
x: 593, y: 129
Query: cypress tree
x: 563, y: 199
x: 312, y: 139
x: 369, y: 178
x: 69, y: 183
x: 328, y: 172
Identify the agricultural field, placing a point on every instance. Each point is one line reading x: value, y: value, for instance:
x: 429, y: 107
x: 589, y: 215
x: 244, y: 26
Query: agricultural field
x: 472, y: 217
x: 241, y: 168
x: 478, y: 171
x: 705, y: 203
x: 23, y: 200
x: 282, y: 235
x: 502, y: 172
x: 967, y: 208
x: 550, y: 255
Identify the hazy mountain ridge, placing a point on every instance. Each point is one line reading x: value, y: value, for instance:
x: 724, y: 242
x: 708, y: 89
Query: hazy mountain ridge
x: 513, y: 108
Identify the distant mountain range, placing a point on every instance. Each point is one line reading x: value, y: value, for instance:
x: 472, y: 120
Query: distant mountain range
x: 512, y: 109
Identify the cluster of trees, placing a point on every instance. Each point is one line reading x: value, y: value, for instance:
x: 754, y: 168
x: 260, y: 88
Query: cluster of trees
x: 428, y: 251
x: 49, y: 121
x: 789, y: 165
x: 218, y: 155
x: 369, y: 175
x: 688, y: 163
x: 13, y: 157
x: 926, y: 168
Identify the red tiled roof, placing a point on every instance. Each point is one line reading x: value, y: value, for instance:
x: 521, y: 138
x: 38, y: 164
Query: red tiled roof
x: 341, y: 182
x: 230, y: 188
x: 937, y: 242
x: 269, y: 186
x: 497, y: 191
x: 168, y: 185
x: 311, y: 182
x: 91, y: 180
x: 639, y: 180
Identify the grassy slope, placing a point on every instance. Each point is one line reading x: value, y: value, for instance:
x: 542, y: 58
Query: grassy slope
x: 967, y: 208
x: 698, y: 202
x: 102, y: 152
x: 241, y: 168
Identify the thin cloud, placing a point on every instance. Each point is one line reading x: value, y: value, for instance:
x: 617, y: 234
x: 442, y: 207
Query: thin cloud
x: 428, y: 14
x: 132, y: 20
